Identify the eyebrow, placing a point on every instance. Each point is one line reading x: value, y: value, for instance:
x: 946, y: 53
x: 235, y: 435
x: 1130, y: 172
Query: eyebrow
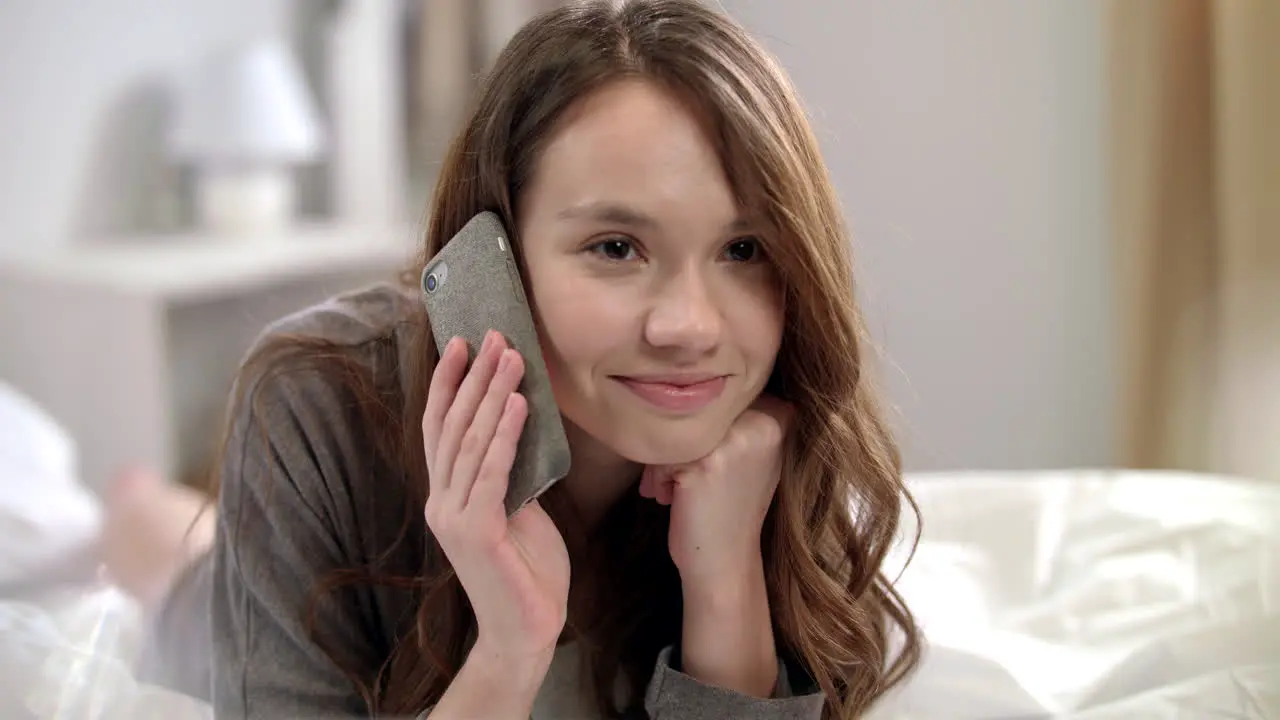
x: 607, y: 212
x: 618, y: 214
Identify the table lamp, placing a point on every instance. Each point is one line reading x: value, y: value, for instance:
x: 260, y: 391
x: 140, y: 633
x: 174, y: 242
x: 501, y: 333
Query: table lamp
x: 242, y: 122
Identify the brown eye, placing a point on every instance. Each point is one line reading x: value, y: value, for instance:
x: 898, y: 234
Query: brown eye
x: 744, y: 250
x: 616, y: 249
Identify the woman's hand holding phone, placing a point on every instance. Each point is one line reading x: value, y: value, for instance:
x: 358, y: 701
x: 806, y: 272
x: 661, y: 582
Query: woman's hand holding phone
x: 515, y: 572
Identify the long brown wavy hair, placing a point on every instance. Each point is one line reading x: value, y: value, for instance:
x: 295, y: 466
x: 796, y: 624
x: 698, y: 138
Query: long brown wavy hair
x: 837, y: 508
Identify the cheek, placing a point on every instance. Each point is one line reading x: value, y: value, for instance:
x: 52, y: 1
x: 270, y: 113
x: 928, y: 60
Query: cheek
x: 580, y: 322
x: 757, y: 317
x: 563, y: 336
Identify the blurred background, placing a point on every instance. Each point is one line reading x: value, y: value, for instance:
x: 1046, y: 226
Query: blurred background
x: 1066, y: 212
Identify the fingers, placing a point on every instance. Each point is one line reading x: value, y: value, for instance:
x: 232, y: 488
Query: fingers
x: 490, y: 486
x: 666, y: 493
x: 481, y: 434
x: 780, y: 411
x: 444, y: 386
x: 462, y: 409
x: 658, y: 483
x: 644, y: 483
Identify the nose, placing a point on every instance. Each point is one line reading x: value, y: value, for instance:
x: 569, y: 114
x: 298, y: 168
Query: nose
x: 685, y: 316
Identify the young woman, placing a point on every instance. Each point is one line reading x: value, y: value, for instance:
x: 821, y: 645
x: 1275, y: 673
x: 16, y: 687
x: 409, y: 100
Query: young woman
x: 715, y: 551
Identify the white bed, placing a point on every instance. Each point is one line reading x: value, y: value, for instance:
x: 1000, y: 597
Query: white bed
x: 1095, y: 595
x: 1084, y: 594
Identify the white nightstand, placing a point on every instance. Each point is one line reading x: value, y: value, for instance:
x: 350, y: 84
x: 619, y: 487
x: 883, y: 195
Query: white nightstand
x: 132, y: 345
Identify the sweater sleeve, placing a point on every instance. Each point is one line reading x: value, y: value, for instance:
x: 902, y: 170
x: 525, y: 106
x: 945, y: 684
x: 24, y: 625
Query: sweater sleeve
x: 673, y: 695
x: 278, y: 536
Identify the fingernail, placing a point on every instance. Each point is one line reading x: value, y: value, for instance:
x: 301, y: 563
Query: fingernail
x: 510, y: 406
x: 488, y: 341
x: 504, y: 361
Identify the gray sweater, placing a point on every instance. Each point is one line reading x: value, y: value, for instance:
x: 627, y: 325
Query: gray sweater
x: 308, y: 497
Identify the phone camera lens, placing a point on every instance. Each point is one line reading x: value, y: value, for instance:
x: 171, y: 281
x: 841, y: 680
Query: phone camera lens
x: 431, y: 282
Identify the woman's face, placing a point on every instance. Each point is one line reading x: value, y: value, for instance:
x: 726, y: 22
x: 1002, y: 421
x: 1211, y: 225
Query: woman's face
x: 661, y: 316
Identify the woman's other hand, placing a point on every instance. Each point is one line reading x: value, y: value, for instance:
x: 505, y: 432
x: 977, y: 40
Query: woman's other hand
x: 718, y: 506
x: 719, y: 502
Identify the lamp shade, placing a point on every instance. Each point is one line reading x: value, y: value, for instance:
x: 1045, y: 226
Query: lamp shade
x: 250, y: 107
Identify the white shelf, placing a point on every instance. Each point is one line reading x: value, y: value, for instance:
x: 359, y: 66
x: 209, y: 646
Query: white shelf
x: 197, y: 267
x: 132, y: 344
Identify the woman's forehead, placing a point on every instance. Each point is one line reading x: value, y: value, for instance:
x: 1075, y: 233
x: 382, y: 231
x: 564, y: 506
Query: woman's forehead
x: 633, y: 144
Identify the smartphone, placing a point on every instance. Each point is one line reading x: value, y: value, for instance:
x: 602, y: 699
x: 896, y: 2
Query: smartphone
x: 472, y: 286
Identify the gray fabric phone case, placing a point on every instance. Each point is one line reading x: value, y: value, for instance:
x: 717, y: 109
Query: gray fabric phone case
x: 471, y: 286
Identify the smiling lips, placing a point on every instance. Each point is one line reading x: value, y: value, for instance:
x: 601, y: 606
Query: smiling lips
x: 675, y: 393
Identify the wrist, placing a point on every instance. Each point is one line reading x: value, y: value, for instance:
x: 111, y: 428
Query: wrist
x: 494, y: 684
x: 727, y: 634
x: 729, y: 587
x: 510, y: 670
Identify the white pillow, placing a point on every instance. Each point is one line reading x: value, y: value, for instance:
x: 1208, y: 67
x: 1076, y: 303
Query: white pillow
x: 48, y: 519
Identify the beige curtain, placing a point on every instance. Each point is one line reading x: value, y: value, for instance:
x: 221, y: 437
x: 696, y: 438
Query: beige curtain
x: 1196, y: 204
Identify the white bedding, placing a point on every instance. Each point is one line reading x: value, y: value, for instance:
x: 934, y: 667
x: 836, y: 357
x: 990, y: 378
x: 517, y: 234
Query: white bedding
x: 48, y: 520
x: 1082, y: 594
x: 1095, y: 595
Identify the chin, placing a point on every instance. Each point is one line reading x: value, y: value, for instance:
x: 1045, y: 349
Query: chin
x: 667, y: 446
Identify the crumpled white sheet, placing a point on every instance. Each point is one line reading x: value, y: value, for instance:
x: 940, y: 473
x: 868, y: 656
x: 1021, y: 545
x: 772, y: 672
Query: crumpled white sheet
x: 1085, y: 595
x: 1095, y: 596
x: 71, y: 658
